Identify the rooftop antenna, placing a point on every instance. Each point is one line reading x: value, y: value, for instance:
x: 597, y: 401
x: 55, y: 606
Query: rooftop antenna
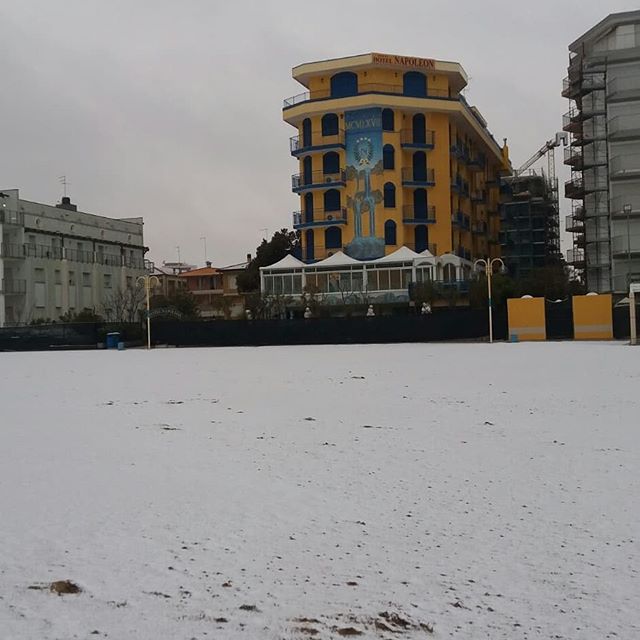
x: 178, y: 250
x: 63, y: 181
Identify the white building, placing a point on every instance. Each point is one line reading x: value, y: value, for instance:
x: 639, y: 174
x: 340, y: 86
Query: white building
x: 56, y: 259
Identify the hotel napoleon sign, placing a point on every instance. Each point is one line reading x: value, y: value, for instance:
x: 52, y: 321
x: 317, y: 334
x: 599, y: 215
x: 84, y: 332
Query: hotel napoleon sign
x: 403, y: 61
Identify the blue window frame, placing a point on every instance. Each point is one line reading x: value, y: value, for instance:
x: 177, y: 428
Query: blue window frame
x: 420, y: 165
x: 309, y: 252
x: 390, y: 232
x: 333, y: 238
x: 344, y: 84
x: 388, y: 157
x: 307, y: 173
x: 420, y: 203
x: 414, y: 84
x: 419, y: 128
x: 308, y: 207
x: 330, y: 163
x: 388, y: 120
x: 332, y: 200
x: 306, y: 132
x: 421, y: 237
x: 389, y: 191
x: 329, y: 124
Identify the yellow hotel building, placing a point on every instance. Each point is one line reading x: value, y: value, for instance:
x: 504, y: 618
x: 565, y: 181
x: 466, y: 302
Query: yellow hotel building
x: 390, y: 155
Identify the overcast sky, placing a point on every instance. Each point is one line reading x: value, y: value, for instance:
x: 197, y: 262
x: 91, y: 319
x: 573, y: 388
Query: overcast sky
x: 172, y: 110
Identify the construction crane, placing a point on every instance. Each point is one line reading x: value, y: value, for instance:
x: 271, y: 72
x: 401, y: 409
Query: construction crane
x: 561, y: 138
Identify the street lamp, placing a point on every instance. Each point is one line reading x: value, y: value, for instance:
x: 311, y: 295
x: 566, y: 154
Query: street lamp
x: 487, y: 264
x: 627, y: 210
x: 147, y: 281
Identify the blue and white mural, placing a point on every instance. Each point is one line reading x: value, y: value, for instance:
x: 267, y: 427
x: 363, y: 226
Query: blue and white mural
x: 364, y: 161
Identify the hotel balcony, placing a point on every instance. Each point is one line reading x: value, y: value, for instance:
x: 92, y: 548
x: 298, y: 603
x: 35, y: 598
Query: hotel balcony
x: 418, y: 177
x: 412, y: 214
x: 572, y: 224
x: 572, y: 121
x: 318, y: 142
x: 477, y: 162
x: 11, y: 218
x: 317, y: 180
x: 12, y: 251
x: 575, y: 86
x: 319, y: 218
x: 10, y: 287
x: 410, y: 139
x: 363, y: 88
x: 574, y: 189
x: 478, y: 195
x: 461, y: 220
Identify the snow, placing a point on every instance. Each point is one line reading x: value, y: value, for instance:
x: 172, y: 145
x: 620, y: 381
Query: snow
x: 489, y: 490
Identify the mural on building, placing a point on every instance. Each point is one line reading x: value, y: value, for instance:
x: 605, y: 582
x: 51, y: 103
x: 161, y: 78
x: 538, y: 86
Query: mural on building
x: 364, y: 160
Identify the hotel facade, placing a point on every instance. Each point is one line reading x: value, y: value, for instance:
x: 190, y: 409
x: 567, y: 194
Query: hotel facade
x: 391, y: 155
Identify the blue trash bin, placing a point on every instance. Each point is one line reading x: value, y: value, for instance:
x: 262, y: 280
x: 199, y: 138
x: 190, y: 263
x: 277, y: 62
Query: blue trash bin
x: 112, y: 340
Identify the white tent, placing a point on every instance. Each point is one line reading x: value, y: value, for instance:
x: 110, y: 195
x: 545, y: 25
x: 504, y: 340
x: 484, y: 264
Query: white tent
x: 338, y: 259
x: 288, y: 262
x: 403, y: 254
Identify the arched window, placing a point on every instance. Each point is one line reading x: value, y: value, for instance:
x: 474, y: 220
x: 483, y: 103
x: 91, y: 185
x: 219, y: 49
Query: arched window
x: 419, y: 128
x: 333, y: 238
x: 390, y: 232
x: 388, y: 157
x: 306, y: 132
x: 414, y: 84
x: 329, y: 124
x: 389, y: 192
x: 420, y: 204
x: 344, y: 84
x: 330, y: 163
x: 308, y: 245
x: 332, y: 200
x: 307, y: 173
x: 387, y: 120
x: 308, y: 207
x: 419, y: 166
x: 421, y: 237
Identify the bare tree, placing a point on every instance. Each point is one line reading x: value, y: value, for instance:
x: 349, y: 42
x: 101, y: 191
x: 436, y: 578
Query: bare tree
x: 124, y: 305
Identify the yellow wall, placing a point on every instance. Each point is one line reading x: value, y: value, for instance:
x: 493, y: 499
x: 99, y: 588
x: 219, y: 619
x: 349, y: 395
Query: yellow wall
x: 593, y: 317
x: 442, y: 116
x: 526, y: 318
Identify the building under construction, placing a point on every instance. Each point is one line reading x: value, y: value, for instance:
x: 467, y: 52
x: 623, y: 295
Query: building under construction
x: 529, y: 216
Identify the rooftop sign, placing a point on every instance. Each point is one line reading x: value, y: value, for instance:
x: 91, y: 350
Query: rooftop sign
x: 389, y: 60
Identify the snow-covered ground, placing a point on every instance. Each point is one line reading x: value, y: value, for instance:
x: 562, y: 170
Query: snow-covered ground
x: 291, y: 492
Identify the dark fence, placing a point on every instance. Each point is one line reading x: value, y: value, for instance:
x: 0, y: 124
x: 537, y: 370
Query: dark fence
x: 621, y: 319
x: 66, y: 335
x: 450, y: 324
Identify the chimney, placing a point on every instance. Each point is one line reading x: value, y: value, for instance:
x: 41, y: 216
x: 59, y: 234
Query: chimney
x: 248, y: 257
x: 208, y: 263
x: 66, y: 204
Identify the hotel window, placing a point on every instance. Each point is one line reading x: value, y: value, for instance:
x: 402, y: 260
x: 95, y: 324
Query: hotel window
x: 86, y: 279
x: 388, y: 123
x: 333, y: 238
x: 388, y: 157
x: 344, y: 84
x: 390, y: 232
x: 330, y: 124
x: 107, y: 281
x: 389, y: 195
x: 330, y: 163
x: 332, y: 200
x: 414, y: 84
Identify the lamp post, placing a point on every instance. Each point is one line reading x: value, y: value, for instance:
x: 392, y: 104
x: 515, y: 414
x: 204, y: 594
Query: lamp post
x: 627, y: 210
x: 146, y: 281
x: 487, y: 264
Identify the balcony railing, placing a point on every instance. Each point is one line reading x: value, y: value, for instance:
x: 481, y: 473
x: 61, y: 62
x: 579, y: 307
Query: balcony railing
x: 477, y: 162
x: 461, y: 220
x: 317, y: 179
x: 413, y: 176
x: 317, y: 140
x: 478, y: 195
x: 42, y: 251
x: 9, y: 286
x: 573, y: 224
x: 8, y: 250
x: 412, y: 214
x: 78, y: 255
x: 572, y: 120
x: 14, y: 218
x: 411, y: 139
x: 576, y: 85
x: 319, y: 217
x: 367, y: 87
x: 109, y: 260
